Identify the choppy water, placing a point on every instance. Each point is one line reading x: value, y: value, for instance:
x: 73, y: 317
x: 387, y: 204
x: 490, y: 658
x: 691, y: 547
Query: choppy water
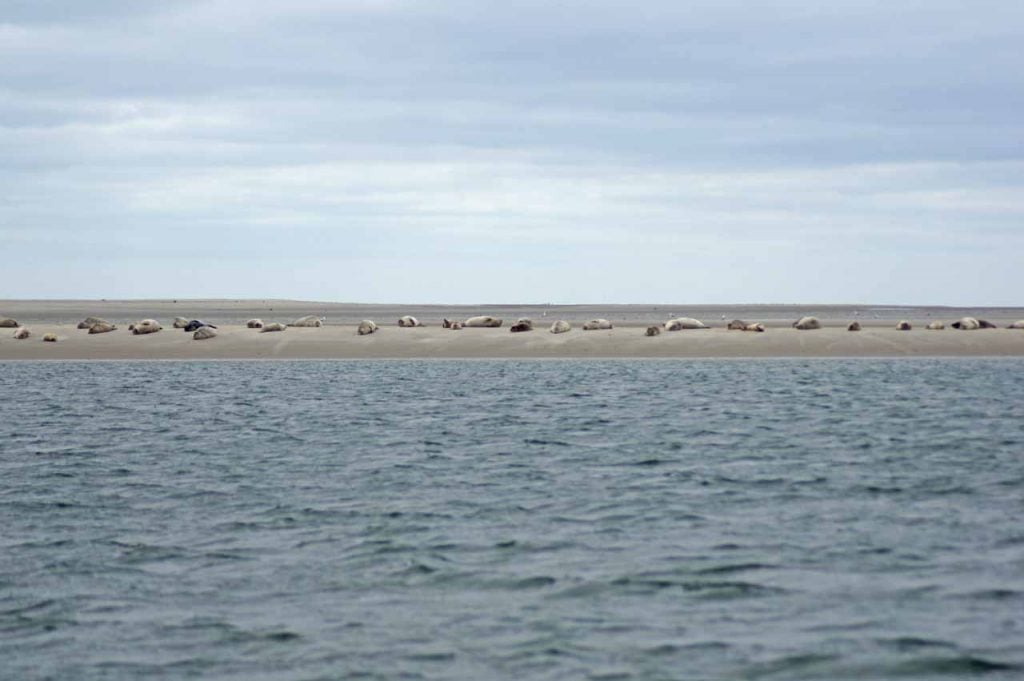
x: 496, y: 519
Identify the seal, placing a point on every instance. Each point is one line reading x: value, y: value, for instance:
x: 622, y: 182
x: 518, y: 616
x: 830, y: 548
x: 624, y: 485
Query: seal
x: 653, y: 331
x: 483, y: 321
x: 853, y: 326
x: 102, y: 327
x: 366, y: 327
x: 196, y: 324
x: 756, y: 326
x: 597, y: 325
x: 309, y: 320
x: 737, y: 325
x: 50, y: 338
x: 180, y: 322
x: 273, y: 326
x: 408, y: 321
x: 145, y: 326
x: 904, y: 325
x: 204, y: 332
x: 254, y: 324
x: 521, y: 325
x: 22, y: 333
x: 88, y: 322
x: 8, y: 324
x: 1017, y: 325
x: 966, y: 324
x: 935, y: 326
x: 985, y: 324
x: 807, y: 324
x: 560, y: 327
x: 684, y: 323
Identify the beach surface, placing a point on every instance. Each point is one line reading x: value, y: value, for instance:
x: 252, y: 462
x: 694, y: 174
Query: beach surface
x: 338, y: 338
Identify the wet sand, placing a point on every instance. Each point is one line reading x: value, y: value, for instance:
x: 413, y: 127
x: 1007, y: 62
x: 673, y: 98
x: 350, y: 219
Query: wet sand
x: 339, y: 340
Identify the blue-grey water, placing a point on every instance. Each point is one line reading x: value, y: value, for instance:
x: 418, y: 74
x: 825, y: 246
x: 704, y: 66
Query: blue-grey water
x: 781, y: 519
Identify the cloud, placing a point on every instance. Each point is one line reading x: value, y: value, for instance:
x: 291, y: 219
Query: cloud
x: 845, y: 144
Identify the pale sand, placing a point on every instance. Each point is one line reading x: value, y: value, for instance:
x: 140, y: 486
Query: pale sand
x: 339, y: 338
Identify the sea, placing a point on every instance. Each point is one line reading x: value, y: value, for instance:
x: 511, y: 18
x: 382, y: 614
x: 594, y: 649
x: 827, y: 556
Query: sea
x: 499, y: 519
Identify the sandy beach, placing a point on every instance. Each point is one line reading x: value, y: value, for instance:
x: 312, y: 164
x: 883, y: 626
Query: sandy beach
x: 338, y: 338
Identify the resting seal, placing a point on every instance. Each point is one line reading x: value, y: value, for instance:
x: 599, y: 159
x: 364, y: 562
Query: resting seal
x: 22, y: 333
x: 483, y: 321
x: 196, y: 324
x: 8, y: 324
x: 180, y: 322
x: 273, y: 326
x: 597, y: 325
x: 561, y: 326
x: 986, y: 324
x: 366, y: 327
x: 1017, y: 325
x: 145, y: 326
x: 737, y: 325
x: 50, y: 338
x: 310, y: 320
x: 408, y: 321
x: 681, y: 323
x: 204, y: 332
x: 903, y: 326
x: 807, y: 323
x: 935, y: 326
x: 756, y: 326
x: 521, y: 325
x: 854, y: 326
x: 966, y: 324
x: 254, y: 324
x: 102, y: 327
x: 88, y: 322
x: 653, y: 331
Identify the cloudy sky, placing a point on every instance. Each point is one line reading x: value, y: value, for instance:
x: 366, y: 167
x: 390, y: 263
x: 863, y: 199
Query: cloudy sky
x: 530, y: 151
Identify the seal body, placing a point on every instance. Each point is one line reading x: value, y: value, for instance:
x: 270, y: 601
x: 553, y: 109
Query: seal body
x: 683, y: 323
x: 145, y: 326
x: 366, y: 327
x: 935, y: 326
x: 9, y: 324
x: 88, y: 322
x: 985, y: 324
x: 561, y: 326
x: 22, y: 333
x: 483, y: 321
x: 966, y: 324
x: 204, y: 332
x: 652, y: 331
x: 309, y: 320
x: 522, y: 325
x: 807, y: 323
x: 757, y: 327
x: 180, y: 322
x: 50, y: 338
x: 408, y: 321
x: 737, y: 325
x: 1017, y: 325
x: 273, y: 326
x: 254, y: 324
x: 597, y: 325
x: 903, y: 326
x: 853, y: 326
x: 196, y: 324
x: 102, y: 327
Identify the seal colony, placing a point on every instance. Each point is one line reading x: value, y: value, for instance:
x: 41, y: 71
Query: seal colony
x: 675, y: 334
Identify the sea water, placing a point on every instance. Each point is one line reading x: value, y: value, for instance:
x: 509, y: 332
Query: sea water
x: 652, y: 519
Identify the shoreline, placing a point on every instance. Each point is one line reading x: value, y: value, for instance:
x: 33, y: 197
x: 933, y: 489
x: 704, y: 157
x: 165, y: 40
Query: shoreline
x: 338, y: 340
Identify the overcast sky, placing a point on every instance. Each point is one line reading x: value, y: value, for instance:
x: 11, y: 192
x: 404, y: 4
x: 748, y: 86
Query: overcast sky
x: 566, y: 151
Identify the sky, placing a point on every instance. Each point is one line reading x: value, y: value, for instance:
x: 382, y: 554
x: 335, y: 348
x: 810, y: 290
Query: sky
x: 536, y: 151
